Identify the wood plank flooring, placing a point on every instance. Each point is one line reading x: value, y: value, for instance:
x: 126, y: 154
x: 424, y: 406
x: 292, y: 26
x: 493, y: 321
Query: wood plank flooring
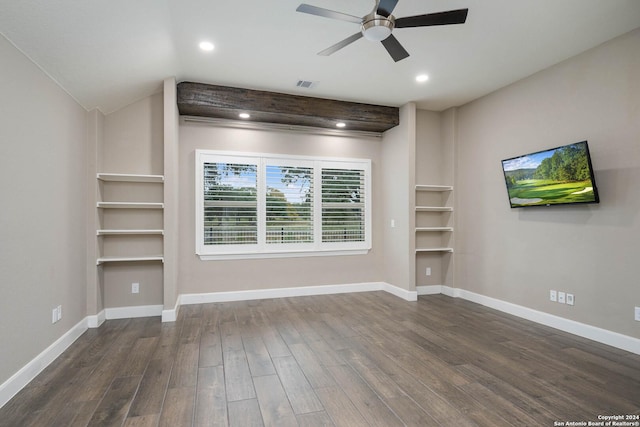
x: 364, y: 359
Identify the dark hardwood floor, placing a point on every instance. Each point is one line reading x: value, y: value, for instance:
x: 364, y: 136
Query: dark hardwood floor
x: 345, y: 360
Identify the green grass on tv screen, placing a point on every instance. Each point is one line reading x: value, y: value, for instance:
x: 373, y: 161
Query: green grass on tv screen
x: 531, y: 192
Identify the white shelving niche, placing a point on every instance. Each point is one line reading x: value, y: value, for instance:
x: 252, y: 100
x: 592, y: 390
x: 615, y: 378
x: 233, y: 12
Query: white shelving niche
x: 130, y: 218
x: 434, y: 233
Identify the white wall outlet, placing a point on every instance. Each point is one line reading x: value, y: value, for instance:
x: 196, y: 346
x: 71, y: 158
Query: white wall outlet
x: 561, y: 297
x: 135, y: 288
x: 553, y: 296
x: 637, y: 314
x: 56, y: 314
x: 570, y: 299
x: 428, y: 271
x: 393, y: 223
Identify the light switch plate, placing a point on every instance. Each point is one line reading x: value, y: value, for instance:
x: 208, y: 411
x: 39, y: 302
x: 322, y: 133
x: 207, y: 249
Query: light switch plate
x: 561, y: 297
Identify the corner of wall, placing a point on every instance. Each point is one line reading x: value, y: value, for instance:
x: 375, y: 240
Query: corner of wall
x: 398, y: 181
x: 171, y: 189
x: 95, y: 136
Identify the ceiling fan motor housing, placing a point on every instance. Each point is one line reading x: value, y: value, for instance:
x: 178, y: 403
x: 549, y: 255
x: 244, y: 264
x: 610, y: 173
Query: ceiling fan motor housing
x: 377, y: 27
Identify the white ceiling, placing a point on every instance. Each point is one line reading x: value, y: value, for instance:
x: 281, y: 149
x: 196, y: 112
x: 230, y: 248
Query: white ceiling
x: 109, y: 53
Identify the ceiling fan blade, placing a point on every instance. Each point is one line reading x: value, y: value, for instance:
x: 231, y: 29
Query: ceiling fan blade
x: 318, y: 11
x: 394, y: 48
x: 385, y: 8
x: 336, y: 47
x: 441, y: 18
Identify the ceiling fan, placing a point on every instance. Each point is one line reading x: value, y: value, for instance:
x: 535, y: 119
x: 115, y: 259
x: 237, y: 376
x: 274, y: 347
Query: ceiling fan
x: 378, y: 25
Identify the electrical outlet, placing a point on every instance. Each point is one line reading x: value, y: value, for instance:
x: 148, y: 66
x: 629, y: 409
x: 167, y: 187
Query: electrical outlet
x: 54, y: 315
x: 135, y: 288
x: 553, y: 296
x: 637, y: 314
x: 393, y: 223
x: 428, y: 271
x: 59, y: 312
x: 570, y: 299
x: 561, y: 297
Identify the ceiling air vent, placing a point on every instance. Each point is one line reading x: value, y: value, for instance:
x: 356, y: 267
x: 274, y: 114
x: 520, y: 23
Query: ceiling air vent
x: 305, y: 84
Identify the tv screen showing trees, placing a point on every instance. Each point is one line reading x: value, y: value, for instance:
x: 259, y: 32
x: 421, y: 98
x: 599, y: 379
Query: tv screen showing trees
x: 561, y: 175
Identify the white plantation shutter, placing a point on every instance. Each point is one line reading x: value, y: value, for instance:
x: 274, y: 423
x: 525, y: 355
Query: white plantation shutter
x: 230, y: 203
x: 343, y: 205
x: 267, y: 205
x: 289, y: 204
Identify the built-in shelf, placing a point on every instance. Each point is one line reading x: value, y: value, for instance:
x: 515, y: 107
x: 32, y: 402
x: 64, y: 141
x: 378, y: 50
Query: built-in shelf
x: 434, y: 228
x: 434, y: 209
x: 130, y: 177
x: 124, y: 181
x: 107, y: 259
x: 128, y: 232
x: 440, y: 188
x: 130, y: 205
x: 433, y: 231
x: 419, y: 250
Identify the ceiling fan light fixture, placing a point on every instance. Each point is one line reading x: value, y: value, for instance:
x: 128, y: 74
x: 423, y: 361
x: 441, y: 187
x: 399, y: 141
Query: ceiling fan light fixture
x: 376, y: 27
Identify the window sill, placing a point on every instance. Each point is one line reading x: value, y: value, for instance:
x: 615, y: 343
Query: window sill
x: 299, y: 254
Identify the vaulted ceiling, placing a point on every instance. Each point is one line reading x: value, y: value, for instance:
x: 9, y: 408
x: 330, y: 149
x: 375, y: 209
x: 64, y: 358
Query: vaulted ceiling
x: 107, y: 54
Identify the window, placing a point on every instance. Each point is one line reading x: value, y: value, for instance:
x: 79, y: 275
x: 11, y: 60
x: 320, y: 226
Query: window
x: 250, y: 205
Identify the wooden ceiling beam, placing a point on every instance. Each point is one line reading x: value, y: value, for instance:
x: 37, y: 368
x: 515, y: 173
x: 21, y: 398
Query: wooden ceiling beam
x: 222, y: 102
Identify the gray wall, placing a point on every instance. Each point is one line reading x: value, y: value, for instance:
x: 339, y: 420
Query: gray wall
x: 592, y: 251
x: 43, y: 210
x: 133, y: 144
x: 397, y: 191
x: 196, y: 276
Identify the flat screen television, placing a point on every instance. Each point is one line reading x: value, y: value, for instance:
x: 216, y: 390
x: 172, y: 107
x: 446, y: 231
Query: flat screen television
x: 558, y: 176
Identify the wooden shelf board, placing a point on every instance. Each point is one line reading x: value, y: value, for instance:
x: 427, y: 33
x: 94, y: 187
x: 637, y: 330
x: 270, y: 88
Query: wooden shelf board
x: 434, y: 209
x: 434, y: 250
x: 128, y: 232
x: 130, y: 205
x: 434, y: 228
x: 434, y: 188
x: 122, y: 177
x: 106, y: 259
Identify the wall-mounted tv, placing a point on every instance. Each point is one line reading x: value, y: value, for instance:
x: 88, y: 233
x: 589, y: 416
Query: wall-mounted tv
x: 557, y: 176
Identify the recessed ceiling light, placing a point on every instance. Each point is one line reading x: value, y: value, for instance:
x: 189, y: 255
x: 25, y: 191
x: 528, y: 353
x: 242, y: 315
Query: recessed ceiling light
x: 206, y: 46
x: 341, y: 124
x: 421, y: 78
x: 244, y: 115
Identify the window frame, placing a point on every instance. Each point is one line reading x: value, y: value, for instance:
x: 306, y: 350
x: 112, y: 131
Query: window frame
x: 262, y: 249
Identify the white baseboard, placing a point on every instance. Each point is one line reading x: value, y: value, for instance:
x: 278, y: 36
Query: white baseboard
x: 400, y: 293
x: 171, y: 315
x: 593, y: 333
x: 96, y: 320
x: 429, y: 290
x: 186, y: 299
x: 13, y: 385
x: 134, y: 311
x: 450, y: 292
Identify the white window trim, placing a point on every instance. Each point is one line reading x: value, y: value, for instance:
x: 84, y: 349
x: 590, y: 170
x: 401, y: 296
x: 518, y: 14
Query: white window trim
x: 261, y: 249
